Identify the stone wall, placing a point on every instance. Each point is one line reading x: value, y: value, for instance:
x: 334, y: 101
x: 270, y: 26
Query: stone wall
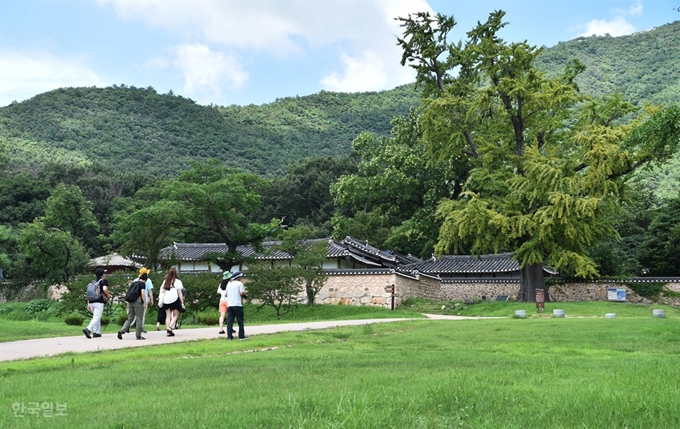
x: 374, y: 289
x: 357, y: 289
x: 461, y: 291
x: 598, y: 292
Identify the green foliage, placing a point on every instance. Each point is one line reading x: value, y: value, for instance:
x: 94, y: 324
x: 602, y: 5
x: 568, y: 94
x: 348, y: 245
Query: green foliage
x: 201, y: 292
x: 642, y: 66
x: 121, y: 318
x: 38, y: 305
x: 138, y: 130
x: 276, y: 287
x: 303, y: 195
x: 52, y: 244
x: 659, y: 253
x: 650, y: 290
x: 143, y: 227
x: 74, y: 319
x: 308, y: 257
x: 391, y: 200
x: 219, y: 205
x: 548, y: 162
x: 209, y: 318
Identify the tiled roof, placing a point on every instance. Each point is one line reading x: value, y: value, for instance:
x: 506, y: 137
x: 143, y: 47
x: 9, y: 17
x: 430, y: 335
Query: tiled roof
x: 465, y: 264
x: 349, y: 247
x: 197, y: 251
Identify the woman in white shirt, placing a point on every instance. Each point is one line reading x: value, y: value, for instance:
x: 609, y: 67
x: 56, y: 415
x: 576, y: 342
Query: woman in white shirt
x: 222, y: 291
x: 173, y: 299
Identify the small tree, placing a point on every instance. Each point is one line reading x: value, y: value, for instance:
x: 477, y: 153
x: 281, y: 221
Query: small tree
x: 308, y: 256
x: 277, y: 287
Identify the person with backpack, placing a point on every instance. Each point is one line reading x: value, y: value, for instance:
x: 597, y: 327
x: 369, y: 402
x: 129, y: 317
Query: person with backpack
x: 136, y: 298
x: 149, y: 296
x: 97, y: 295
x: 173, y: 300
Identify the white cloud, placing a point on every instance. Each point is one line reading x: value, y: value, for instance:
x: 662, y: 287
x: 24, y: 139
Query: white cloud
x: 362, y: 73
x: 615, y: 27
x: 618, y: 26
x: 636, y: 9
x: 204, y: 70
x: 361, y: 33
x: 23, y: 75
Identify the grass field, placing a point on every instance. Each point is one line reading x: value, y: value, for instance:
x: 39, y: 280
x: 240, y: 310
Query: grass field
x: 577, y: 372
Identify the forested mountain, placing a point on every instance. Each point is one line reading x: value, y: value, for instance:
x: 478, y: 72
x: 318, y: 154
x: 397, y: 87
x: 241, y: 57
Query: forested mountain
x: 644, y: 66
x: 128, y: 128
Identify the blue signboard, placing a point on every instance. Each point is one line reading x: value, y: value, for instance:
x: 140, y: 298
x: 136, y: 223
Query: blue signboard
x: 616, y: 294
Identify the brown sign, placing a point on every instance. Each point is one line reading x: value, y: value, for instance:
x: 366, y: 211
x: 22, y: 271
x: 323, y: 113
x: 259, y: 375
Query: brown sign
x: 540, y: 298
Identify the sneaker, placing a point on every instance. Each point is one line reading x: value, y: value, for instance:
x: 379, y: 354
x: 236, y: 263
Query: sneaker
x: 141, y: 338
x: 244, y: 338
x: 87, y: 333
x: 170, y: 333
x: 222, y: 332
x: 96, y: 335
x: 120, y: 335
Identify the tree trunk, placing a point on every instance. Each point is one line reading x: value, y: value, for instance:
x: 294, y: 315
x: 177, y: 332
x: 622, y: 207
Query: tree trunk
x: 309, y: 291
x: 531, y: 278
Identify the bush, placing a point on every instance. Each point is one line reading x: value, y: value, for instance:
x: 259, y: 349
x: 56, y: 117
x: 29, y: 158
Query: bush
x: 8, y: 307
x: 37, y: 306
x: 74, y: 319
x: 208, y: 318
x: 120, y: 319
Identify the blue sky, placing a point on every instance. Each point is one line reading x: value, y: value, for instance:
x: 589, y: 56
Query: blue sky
x: 255, y: 51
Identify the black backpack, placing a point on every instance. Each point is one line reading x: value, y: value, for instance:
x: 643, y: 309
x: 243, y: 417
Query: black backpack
x: 134, y: 291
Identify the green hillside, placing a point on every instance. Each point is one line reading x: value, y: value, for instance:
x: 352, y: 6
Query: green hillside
x: 128, y: 128
x: 644, y: 66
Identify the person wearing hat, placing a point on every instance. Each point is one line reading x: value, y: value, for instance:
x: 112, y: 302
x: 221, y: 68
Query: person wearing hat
x: 235, y: 294
x: 222, y: 291
x: 148, y: 292
x: 97, y: 307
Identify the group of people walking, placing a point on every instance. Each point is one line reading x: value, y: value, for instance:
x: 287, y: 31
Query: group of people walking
x: 170, y: 302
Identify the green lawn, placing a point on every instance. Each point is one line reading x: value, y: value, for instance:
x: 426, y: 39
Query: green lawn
x: 495, y: 373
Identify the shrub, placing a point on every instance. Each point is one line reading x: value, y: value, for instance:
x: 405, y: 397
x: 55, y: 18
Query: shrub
x: 74, y: 319
x: 120, y: 319
x: 37, y: 306
x: 105, y: 321
x: 208, y: 318
x: 8, y: 307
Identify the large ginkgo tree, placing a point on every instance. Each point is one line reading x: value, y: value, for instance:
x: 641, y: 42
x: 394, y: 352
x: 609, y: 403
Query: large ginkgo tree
x: 549, y: 163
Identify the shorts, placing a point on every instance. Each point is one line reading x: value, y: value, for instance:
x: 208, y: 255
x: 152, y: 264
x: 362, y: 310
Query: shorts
x: 177, y: 305
x: 223, y: 306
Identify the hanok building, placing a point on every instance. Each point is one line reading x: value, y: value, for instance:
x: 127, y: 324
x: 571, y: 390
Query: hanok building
x: 361, y: 274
